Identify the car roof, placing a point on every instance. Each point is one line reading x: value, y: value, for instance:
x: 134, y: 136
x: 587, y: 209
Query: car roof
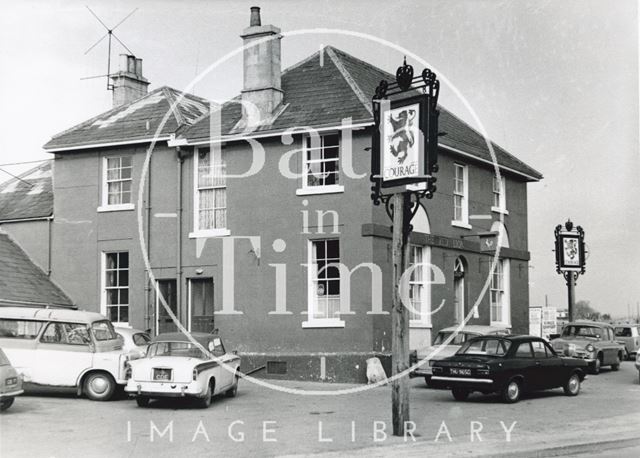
x: 512, y: 337
x: 50, y: 314
x: 129, y: 331
x: 587, y: 323
x: 201, y: 337
x: 481, y: 329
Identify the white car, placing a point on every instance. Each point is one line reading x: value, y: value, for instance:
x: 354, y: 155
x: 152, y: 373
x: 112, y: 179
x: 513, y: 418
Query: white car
x: 175, y: 367
x: 134, y: 341
x: 444, y: 351
x: 638, y: 365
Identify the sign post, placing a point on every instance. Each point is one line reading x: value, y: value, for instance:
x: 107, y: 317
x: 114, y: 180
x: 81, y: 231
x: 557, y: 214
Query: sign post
x: 404, y: 151
x: 570, y: 259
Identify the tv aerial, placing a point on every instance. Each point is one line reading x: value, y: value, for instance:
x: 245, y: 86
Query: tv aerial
x: 108, y: 35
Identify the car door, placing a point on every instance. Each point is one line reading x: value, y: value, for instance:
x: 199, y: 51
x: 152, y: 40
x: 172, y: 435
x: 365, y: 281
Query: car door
x: 224, y: 375
x: 525, y: 364
x: 549, y: 366
x: 63, y: 352
x: 610, y: 347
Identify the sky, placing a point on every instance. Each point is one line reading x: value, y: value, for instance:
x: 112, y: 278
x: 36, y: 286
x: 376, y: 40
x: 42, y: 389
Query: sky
x: 553, y: 82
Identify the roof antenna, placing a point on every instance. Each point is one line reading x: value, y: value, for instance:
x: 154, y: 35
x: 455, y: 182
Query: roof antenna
x: 109, y: 34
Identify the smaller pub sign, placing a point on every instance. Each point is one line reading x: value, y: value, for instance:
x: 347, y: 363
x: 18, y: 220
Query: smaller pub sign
x: 570, y: 251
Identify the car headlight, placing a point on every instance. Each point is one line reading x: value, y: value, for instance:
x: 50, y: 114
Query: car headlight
x: 590, y: 348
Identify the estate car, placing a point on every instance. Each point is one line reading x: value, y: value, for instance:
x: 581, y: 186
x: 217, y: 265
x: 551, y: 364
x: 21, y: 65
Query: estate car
x: 629, y: 335
x: 63, y: 348
x: 508, y: 365
x: 591, y: 341
x: 179, y: 365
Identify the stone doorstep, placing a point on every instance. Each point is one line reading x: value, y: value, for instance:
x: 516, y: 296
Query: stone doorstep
x: 612, y: 433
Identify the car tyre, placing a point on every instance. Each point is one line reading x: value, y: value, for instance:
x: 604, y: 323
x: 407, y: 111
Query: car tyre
x: 427, y: 380
x: 142, y: 401
x: 511, y: 392
x: 206, y: 400
x: 460, y: 394
x: 572, y: 385
x: 6, y: 403
x: 598, y: 365
x: 616, y: 365
x: 99, y: 386
x: 233, y: 391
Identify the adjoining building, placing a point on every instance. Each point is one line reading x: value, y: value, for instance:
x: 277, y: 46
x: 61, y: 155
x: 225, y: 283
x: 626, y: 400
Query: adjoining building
x: 245, y: 254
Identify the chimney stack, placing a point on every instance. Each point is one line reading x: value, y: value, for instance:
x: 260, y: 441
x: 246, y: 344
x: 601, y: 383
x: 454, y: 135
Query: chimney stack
x: 128, y: 83
x: 261, y: 69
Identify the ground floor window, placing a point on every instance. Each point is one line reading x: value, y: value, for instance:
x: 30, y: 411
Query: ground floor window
x: 500, y: 301
x: 419, y: 285
x: 324, y: 280
x: 116, y: 286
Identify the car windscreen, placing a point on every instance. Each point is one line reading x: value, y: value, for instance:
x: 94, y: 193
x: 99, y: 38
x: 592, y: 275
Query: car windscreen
x: 185, y: 349
x: 490, y: 347
x: 103, y: 330
x: 582, y: 331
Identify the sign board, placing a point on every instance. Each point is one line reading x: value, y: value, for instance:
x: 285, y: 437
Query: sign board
x: 549, y: 321
x: 535, y: 321
x: 570, y: 252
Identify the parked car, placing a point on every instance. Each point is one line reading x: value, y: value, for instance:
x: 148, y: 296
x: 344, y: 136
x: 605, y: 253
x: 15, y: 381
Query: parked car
x: 443, y: 351
x: 508, y: 365
x: 175, y: 367
x: 592, y: 341
x: 63, y: 348
x: 134, y: 341
x: 629, y: 335
x: 10, y: 382
x: 638, y: 365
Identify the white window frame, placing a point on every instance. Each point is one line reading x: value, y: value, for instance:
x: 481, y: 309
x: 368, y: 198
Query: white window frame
x: 103, y: 287
x: 424, y: 319
x: 105, y: 206
x: 305, y: 189
x: 211, y: 232
x: 500, y: 192
x: 464, y: 222
x: 312, y: 321
x: 504, y: 267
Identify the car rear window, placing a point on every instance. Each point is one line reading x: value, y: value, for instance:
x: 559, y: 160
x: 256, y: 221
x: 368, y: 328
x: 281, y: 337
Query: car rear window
x: 141, y: 339
x: 491, y: 347
x: 20, y: 329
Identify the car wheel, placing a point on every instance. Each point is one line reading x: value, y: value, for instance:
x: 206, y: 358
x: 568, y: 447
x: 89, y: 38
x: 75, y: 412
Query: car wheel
x: 233, y: 391
x: 99, y: 386
x: 460, y: 394
x: 427, y: 380
x: 511, y: 392
x: 616, y: 365
x: 572, y: 385
x: 6, y: 403
x: 142, y: 401
x: 598, y: 365
x: 206, y: 400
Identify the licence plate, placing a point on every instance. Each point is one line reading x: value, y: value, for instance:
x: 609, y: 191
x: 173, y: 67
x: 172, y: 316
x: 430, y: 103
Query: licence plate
x: 456, y: 371
x: 162, y: 374
x: 11, y: 381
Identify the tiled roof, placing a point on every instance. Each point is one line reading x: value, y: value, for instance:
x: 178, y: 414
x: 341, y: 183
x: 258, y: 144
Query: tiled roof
x: 134, y: 121
x: 29, y: 197
x: 22, y: 282
x: 331, y: 85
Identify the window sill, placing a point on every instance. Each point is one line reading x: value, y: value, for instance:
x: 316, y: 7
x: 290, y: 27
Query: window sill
x: 115, y: 208
x: 499, y: 210
x: 500, y: 324
x: 332, y: 189
x: 419, y: 325
x: 209, y: 233
x: 323, y: 323
x: 461, y: 224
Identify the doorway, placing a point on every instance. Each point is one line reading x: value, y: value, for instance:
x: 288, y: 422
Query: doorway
x: 166, y: 289
x: 201, y: 316
x: 459, y: 289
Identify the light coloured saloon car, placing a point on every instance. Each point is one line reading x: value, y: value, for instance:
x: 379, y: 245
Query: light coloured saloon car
x: 175, y: 367
x: 63, y: 348
x: 10, y: 382
x: 134, y: 341
x: 439, y: 350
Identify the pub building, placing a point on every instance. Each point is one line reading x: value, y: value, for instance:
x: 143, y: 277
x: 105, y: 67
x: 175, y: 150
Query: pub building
x: 244, y: 252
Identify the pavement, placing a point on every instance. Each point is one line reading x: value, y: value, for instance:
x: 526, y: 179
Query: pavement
x: 604, y: 420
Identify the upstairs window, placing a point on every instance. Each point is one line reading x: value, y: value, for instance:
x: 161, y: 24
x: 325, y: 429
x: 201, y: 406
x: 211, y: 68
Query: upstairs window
x: 210, y: 214
x: 321, y: 165
x: 499, y: 195
x: 116, y: 189
x: 461, y: 196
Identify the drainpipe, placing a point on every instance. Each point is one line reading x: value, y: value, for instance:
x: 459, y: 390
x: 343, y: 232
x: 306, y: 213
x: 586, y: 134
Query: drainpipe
x: 148, y: 306
x: 49, y: 229
x: 180, y: 155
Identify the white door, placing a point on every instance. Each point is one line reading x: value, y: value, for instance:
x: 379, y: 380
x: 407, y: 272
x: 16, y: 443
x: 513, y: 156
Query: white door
x: 458, y: 290
x: 62, y: 354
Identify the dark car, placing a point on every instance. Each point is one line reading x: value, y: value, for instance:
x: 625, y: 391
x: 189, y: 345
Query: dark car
x: 508, y: 365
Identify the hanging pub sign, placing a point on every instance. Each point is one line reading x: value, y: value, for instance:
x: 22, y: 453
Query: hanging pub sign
x: 569, y: 248
x: 405, y: 134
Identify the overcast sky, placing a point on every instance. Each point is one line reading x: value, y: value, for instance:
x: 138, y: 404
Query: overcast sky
x: 554, y: 82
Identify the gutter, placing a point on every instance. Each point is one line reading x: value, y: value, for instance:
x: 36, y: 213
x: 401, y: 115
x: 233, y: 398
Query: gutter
x: 22, y: 220
x: 106, y: 145
x: 34, y: 303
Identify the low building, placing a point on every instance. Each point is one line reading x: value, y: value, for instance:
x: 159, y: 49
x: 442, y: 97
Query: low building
x: 254, y: 254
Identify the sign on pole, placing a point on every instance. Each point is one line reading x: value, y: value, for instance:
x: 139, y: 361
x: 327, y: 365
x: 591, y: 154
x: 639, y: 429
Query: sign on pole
x: 570, y: 258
